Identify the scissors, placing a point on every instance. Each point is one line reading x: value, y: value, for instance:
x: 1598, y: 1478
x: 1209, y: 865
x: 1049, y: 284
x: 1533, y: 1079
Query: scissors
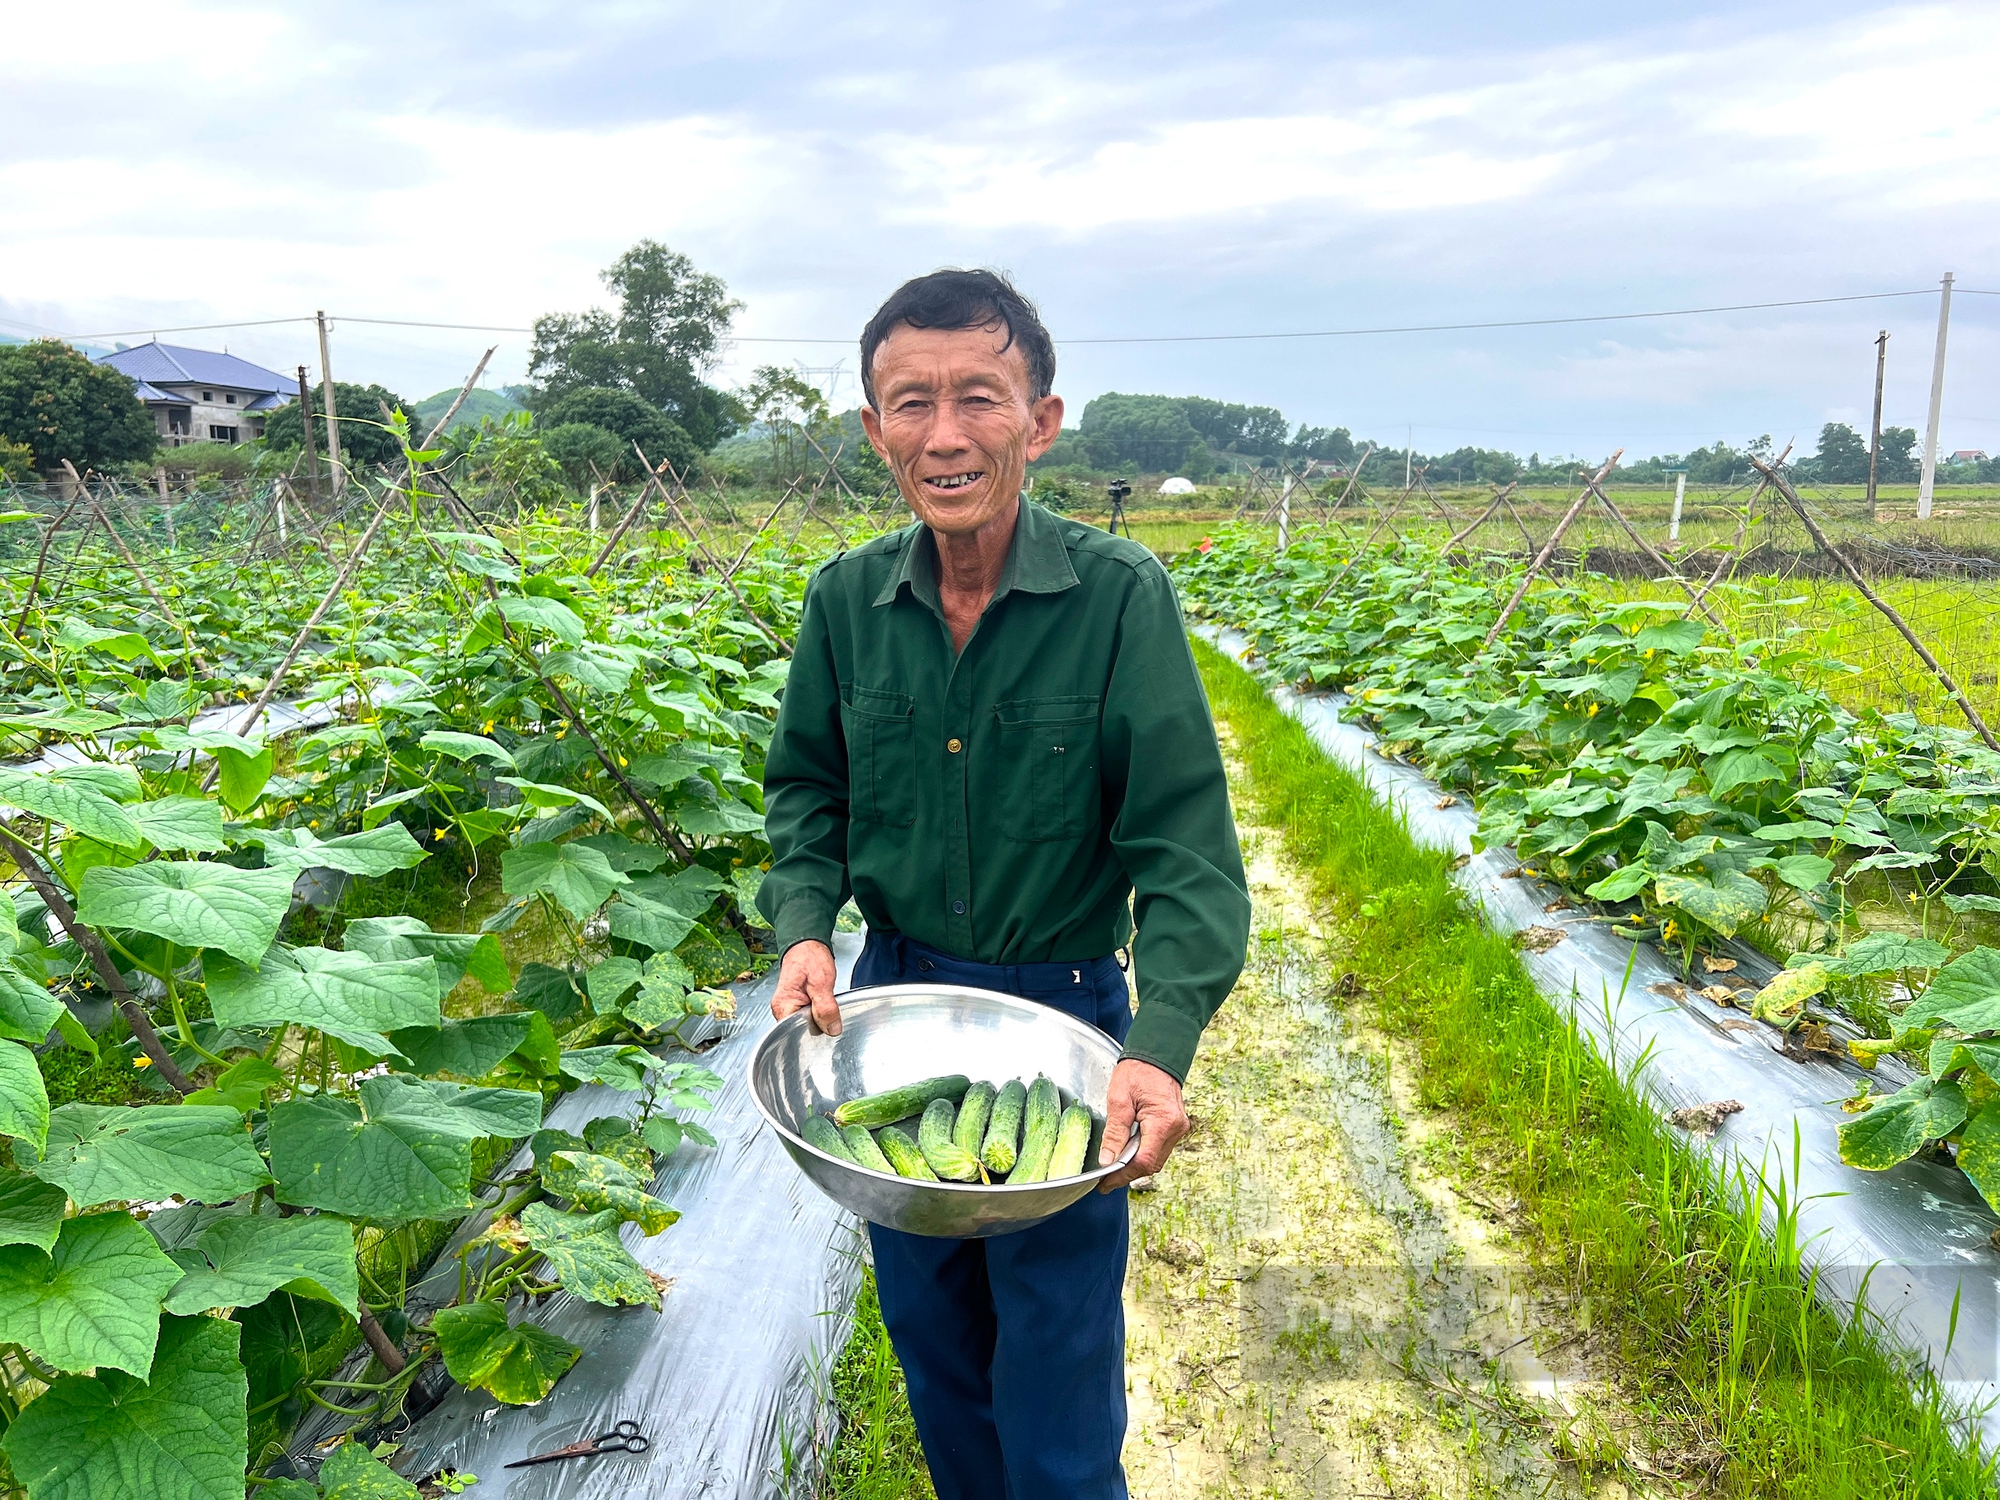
x: 623, y: 1438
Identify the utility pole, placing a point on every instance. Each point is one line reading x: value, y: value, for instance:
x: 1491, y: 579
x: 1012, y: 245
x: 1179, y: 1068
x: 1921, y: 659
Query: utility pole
x: 1285, y: 513
x: 1937, y: 402
x: 1409, y: 447
x: 1680, y: 494
x: 332, y: 413
x: 305, y: 420
x: 1875, y: 434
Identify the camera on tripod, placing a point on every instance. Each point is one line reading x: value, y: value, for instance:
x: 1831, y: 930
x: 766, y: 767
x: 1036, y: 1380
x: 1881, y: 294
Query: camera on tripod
x: 1120, y: 491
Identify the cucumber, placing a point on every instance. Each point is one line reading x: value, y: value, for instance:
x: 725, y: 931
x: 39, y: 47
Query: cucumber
x: 903, y: 1155
x: 861, y: 1146
x: 822, y: 1134
x: 945, y: 1157
x: 891, y: 1105
x: 1003, y: 1129
x: 1040, y: 1118
x: 1072, y: 1140
x: 970, y: 1131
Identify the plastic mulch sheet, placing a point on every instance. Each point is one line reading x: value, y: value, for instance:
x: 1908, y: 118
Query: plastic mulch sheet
x: 731, y: 1381
x: 1916, y: 1236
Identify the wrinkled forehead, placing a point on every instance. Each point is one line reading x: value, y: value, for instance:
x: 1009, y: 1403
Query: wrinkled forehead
x: 919, y: 361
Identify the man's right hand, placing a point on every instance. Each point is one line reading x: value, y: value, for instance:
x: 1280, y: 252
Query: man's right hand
x: 805, y: 978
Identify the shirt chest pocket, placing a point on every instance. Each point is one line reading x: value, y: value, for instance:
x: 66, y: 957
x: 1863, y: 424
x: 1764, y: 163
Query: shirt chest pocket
x: 881, y: 730
x: 1048, y: 778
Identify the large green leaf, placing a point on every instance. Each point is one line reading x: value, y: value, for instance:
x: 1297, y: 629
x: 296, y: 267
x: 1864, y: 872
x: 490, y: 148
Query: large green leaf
x: 1885, y: 953
x: 374, y: 852
x: 80, y: 635
x: 548, y: 794
x: 557, y: 618
x: 351, y: 1472
x: 1964, y: 994
x: 27, y: 1010
x: 608, y: 980
x: 587, y: 1256
x: 471, y: 1048
x: 1785, y: 996
x: 467, y: 746
x: 1979, y: 1151
x: 31, y: 1211
x: 594, y: 1183
x: 1742, y: 767
x: 519, y: 1365
x: 621, y: 1065
x: 346, y: 995
x: 1730, y: 901
x: 552, y: 991
x: 579, y: 878
x: 72, y: 805
x: 61, y: 721
x: 1897, y: 1127
x: 1676, y: 636
x: 24, y: 1098
x: 182, y: 1436
x: 238, y: 1262
x: 104, y: 1153
x: 195, y: 905
x: 402, y: 1152
x: 94, y: 1300
x: 244, y: 775
x: 660, y: 910
x: 456, y: 953
x: 188, y: 823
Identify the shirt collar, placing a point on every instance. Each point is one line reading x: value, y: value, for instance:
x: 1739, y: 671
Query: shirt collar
x: 1037, y: 561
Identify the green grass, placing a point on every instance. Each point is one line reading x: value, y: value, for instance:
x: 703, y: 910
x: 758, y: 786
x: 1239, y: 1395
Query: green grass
x: 1720, y: 1344
x: 877, y: 1456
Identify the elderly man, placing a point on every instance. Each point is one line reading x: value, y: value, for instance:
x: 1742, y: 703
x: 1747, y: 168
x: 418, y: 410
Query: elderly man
x: 993, y: 737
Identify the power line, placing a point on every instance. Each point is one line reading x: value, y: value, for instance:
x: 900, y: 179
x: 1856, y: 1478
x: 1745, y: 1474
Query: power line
x: 1163, y: 338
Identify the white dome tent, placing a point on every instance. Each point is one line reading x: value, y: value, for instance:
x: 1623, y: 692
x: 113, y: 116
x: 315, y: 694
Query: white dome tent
x: 1177, y: 486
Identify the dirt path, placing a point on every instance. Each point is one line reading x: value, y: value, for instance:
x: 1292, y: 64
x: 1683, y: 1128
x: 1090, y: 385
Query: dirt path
x: 1315, y: 1307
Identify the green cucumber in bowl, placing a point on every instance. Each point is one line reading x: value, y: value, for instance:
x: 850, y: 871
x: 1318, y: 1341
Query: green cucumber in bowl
x: 1003, y: 1129
x: 903, y: 1155
x: 946, y: 1157
x: 865, y: 1153
x: 891, y: 1105
x: 823, y: 1135
x: 1072, y: 1142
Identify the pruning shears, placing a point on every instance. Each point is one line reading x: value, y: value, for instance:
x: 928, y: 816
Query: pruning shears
x: 623, y: 1438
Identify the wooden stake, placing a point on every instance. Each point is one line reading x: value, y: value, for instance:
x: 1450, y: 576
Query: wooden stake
x: 1499, y: 499
x: 305, y: 423
x: 466, y: 390
x: 100, y: 959
x: 1549, y: 548
x: 1888, y: 610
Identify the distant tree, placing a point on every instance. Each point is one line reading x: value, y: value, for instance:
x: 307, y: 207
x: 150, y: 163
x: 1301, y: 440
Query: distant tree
x: 794, y: 417
x: 1333, y: 445
x: 1898, y: 463
x: 580, y: 447
x: 1842, y: 457
x: 365, y: 441
x: 665, y: 334
x: 17, y: 462
x: 630, y: 419
x: 60, y: 405
x: 1066, y: 452
x: 1152, y: 433
x: 1260, y: 431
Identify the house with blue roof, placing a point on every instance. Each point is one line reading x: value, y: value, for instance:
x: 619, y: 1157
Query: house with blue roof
x: 199, y: 396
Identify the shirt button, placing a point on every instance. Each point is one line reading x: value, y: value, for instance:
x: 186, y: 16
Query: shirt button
x: 953, y: 746
x: 958, y: 907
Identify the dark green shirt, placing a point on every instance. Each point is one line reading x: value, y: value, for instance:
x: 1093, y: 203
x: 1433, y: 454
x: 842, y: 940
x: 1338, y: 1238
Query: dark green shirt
x: 1002, y: 804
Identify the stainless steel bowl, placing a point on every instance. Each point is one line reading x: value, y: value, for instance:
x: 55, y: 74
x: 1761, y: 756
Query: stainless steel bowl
x: 903, y: 1033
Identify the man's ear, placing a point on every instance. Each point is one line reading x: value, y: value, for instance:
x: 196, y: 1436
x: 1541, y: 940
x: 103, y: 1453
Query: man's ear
x: 1045, y: 417
x: 871, y: 423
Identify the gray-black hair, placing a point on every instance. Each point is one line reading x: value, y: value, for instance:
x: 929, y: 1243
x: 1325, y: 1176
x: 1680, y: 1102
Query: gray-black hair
x: 953, y: 298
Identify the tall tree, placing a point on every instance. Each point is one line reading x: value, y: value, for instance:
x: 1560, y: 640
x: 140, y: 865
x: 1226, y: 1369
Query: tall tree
x: 1150, y: 432
x: 1842, y: 456
x: 59, y: 404
x: 630, y: 419
x: 663, y: 337
x: 364, y: 441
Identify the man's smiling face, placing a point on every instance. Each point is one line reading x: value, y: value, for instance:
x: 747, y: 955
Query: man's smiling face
x: 957, y: 421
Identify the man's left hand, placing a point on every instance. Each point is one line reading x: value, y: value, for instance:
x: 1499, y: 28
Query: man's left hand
x: 1151, y: 1098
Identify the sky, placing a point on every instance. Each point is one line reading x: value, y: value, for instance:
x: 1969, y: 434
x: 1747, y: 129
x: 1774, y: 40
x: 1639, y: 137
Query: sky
x: 1143, y: 171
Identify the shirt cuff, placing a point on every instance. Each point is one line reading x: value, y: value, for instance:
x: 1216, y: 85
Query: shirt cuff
x: 802, y: 919
x: 1164, y: 1037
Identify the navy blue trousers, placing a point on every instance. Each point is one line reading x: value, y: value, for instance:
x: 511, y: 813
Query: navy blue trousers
x: 1013, y: 1347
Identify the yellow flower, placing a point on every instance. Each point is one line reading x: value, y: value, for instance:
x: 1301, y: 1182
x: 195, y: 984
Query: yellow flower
x: 487, y: 727
x: 1649, y: 653
x: 623, y: 761
x: 439, y: 835
x: 142, y: 1061
x: 313, y: 824
x: 1670, y: 929
x: 1591, y: 712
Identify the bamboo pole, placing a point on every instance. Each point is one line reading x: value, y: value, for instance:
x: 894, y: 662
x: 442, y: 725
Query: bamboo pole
x: 1549, y: 549
x: 1825, y: 543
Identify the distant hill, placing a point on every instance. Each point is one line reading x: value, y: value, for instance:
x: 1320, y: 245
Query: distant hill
x: 481, y: 403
